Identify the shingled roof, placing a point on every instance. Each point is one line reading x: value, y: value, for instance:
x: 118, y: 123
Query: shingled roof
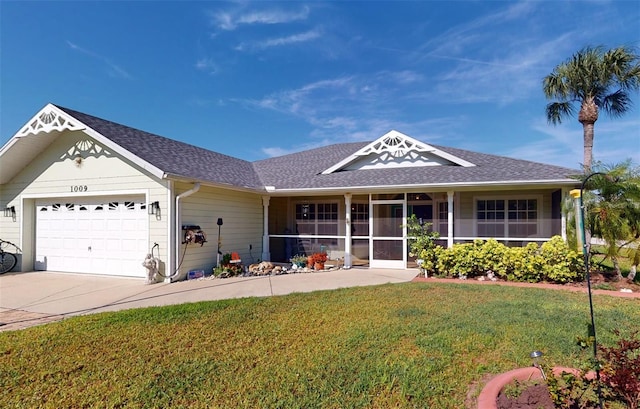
x: 303, y: 171
x: 177, y: 159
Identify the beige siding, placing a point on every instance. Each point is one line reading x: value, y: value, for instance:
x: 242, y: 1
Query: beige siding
x: 242, y: 226
x: 57, y: 174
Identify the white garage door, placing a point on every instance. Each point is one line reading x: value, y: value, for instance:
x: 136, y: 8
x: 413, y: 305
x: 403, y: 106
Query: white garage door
x: 92, y: 235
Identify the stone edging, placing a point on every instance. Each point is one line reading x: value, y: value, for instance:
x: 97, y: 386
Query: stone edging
x: 548, y: 286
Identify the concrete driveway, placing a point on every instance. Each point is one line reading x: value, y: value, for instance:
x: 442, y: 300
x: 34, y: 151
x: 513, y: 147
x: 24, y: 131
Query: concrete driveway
x: 28, y: 299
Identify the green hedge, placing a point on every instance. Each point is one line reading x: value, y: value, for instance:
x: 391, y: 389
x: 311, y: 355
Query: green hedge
x: 552, y: 262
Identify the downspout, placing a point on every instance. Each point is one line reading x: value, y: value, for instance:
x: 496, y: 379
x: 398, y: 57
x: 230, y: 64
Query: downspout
x: 347, y: 241
x: 178, y: 229
x: 450, y: 218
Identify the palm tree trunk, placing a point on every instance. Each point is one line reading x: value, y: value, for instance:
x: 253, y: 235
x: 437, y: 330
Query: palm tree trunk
x: 588, y: 116
x: 587, y: 128
x: 616, y: 266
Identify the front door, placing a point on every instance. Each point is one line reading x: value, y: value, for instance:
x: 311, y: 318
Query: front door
x: 388, y: 243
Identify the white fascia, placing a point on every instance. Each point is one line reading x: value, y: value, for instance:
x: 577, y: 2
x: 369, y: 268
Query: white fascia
x: 566, y: 182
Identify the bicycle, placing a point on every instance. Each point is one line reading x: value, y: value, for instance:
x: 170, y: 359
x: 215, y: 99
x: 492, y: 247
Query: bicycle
x: 8, y: 260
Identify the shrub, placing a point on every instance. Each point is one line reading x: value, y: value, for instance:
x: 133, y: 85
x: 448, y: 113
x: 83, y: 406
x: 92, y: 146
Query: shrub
x: 490, y: 255
x: 422, y: 244
x: 620, y: 371
x: 445, y: 259
x: 553, y: 261
x: 561, y: 264
x: 527, y: 264
x: 463, y: 259
x: 619, y: 375
x: 572, y: 391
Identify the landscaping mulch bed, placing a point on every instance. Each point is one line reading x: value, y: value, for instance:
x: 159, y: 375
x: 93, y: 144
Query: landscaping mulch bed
x: 530, y: 397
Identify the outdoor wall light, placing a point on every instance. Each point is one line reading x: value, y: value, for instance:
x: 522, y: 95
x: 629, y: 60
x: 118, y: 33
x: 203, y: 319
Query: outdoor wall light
x: 154, y: 207
x: 10, y: 212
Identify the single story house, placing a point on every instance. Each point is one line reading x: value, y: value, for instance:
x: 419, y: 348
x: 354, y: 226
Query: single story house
x: 87, y: 195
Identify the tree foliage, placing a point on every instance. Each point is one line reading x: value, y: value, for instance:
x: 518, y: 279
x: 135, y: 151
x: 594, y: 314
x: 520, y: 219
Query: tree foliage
x: 612, y: 210
x: 593, y: 79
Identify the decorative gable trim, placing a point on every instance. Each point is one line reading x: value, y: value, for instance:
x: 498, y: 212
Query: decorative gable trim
x: 397, y: 150
x: 50, y: 118
x: 32, y: 138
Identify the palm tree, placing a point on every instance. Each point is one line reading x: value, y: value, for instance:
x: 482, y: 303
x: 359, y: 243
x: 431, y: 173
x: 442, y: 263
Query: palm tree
x: 612, y: 211
x: 596, y: 79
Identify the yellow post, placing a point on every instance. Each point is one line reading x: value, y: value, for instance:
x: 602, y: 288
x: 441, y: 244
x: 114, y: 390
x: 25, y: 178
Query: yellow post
x: 576, y: 194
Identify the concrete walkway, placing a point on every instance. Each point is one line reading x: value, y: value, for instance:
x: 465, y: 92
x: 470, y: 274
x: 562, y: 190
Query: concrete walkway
x: 28, y: 299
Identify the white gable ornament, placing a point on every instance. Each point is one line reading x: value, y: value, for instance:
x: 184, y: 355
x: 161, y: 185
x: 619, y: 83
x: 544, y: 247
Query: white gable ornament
x: 50, y: 118
x: 397, y: 150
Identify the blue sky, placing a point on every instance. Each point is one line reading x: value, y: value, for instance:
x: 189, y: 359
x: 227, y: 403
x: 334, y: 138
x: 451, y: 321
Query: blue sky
x: 260, y: 79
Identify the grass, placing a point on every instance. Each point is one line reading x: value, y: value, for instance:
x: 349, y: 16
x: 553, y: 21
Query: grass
x: 391, y: 346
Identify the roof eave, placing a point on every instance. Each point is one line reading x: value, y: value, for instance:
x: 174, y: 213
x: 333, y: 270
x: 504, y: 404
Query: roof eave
x: 185, y: 179
x: 526, y: 184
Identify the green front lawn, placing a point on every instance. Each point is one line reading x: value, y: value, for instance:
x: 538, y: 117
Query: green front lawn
x: 403, y: 345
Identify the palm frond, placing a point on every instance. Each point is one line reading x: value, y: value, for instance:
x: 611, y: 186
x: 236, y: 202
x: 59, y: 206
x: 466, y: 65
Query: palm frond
x: 557, y: 111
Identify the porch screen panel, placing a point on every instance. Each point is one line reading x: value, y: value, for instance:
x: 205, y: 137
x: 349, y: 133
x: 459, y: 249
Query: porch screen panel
x: 387, y: 232
x: 388, y: 250
x: 317, y: 219
x: 507, y: 218
x: 327, y: 219
x: 306, y: 218
x: 443, y: 219
x: 359, y: 219
x: 490, y: 215
x: 523, y: 217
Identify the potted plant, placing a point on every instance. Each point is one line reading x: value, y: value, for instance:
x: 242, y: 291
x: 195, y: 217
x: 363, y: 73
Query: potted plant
x: 318, y: 260
x: 299, y: 260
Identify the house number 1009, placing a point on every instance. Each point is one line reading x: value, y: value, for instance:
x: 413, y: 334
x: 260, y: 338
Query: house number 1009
x: 79, y: 188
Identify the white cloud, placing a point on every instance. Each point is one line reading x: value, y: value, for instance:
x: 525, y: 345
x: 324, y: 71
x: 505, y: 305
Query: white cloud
x: 229, y: 21
x: 346, y: 109
x: 114, y: 70
x: 562, y: 145
x: 207, y: 65
x: 280, y: 41
x: 295, y: 38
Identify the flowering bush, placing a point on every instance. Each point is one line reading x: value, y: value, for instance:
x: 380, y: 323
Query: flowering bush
x: 319, y: 258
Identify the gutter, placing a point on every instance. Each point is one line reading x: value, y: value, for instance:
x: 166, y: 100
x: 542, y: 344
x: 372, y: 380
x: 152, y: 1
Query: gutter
x: 178, y: 229
x: 440, y: 186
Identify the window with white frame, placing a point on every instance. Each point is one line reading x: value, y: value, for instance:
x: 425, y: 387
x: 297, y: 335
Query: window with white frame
x: 507, y: 217
x: 317, y: 218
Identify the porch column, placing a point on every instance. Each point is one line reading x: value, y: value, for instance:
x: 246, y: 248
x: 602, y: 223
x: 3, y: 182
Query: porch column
x: 563, y: 218
x: 450, y: 218
x: 347, y: 222
x: 266, y: 253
